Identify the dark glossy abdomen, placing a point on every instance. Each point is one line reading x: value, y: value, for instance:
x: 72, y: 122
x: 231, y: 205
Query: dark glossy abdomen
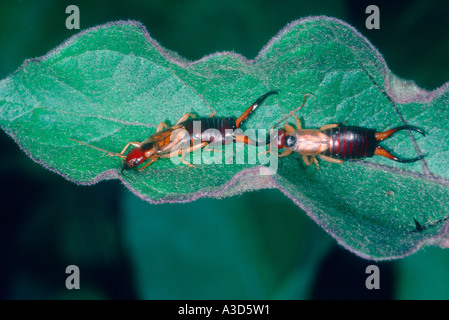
x: 350, y: 142
x: 217, y: 130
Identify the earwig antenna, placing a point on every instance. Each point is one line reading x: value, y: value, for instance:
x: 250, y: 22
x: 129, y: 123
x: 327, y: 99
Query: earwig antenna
x: 99, y: 149
x: 123, y: 168
x: 304, y: 100
x: 290, y: 114
x: 89, y: 145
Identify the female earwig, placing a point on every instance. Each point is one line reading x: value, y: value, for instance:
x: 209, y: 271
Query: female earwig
x: 336, y: 143
x: 196, y: 133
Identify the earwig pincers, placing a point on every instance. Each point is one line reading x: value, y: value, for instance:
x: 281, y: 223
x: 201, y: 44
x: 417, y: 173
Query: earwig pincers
x: 336, y: 143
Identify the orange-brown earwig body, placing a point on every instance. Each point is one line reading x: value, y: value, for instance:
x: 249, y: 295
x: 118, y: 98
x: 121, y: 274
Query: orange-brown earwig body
x: 336, y: 143
x: 183, y: 137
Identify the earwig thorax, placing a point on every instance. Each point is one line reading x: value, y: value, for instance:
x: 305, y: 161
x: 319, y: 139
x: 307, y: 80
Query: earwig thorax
x: 290, y: 141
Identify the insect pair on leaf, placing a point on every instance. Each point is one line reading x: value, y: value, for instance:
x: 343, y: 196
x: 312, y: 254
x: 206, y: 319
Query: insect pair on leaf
x: 332, y: 142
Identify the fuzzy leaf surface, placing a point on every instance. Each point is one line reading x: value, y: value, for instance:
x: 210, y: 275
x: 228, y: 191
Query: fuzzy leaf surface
x: 113, y: 84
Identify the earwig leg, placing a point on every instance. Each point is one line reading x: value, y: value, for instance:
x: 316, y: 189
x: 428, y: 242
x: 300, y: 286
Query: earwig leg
x: 316, y: 162
x: 161, y: 127
x: 184, y: 118
x: 121, y: 154
x: 265, y: 152
x: 183, y: 150
x: 132, y: 143
x: 326, y: 158
x: 284, y: 153
x: 213, y: 114
x: 195, y: 147
x: 329, y: 126
x: 210, y: 147
x: 152, y: 159
x: 186, y: 162
x: 298, y: 123
x: 241, y: 138
x: 289, y: 128
x: 268, y: 151
x: 189, y: 150
x: 306, y: 160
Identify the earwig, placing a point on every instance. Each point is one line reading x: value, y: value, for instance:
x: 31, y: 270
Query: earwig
x: 337, y: 143
x: 216, y: 130
x: 170, y: 142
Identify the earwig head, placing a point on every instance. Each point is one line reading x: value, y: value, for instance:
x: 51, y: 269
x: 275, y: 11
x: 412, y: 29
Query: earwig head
x: 135, y: 157
x: 281, y: 137
x: 285, y: 139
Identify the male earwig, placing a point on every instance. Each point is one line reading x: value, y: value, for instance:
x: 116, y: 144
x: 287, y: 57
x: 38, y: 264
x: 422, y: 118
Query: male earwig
x: 221, y: 130
x: 169, y: 141
x: 336, y: 143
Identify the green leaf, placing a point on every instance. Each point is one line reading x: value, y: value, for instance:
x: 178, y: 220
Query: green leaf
x: 114, y: 84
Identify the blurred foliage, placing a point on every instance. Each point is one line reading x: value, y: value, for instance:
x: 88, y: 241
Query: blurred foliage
x: 48, y: 223
x: 424, y: 275
x: 249, y: 247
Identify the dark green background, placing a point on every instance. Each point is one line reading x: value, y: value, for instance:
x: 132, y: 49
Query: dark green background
x: 47, y: 223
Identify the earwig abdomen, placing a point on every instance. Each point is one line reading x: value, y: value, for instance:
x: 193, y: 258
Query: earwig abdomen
x: 217, y: 130
x: 350, y: 142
